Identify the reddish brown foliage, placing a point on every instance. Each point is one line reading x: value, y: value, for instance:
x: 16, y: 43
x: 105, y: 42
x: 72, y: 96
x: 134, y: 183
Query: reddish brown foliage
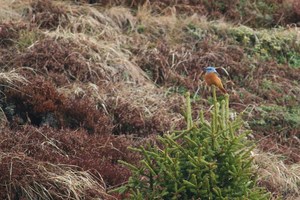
x: 159, y: 66
x: 284, y: 16
x: 47, y: 15
x: 286, y: 145
x: 130, y: 119
x: 98, y: 154
x: 39, y: 103
x: 84, y: 113
x: 280, y: 74
x: 191, y: 61
x: 263, y: 13
x: 67, y: 140
x: 9, y: 33
x: 127, y: 118
x: 35, y: 100
x: 296, y: 7
x: 60, y: 60
x: 6, y: 59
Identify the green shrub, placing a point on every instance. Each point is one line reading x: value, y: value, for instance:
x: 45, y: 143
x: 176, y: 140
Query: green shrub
x: 27, y: 38
x: 209, y: 160
x: 196, y: 32
x: 277, y: 116
x: 276, y: 44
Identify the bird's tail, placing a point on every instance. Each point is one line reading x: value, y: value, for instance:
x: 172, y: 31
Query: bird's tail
x: 223, y: 90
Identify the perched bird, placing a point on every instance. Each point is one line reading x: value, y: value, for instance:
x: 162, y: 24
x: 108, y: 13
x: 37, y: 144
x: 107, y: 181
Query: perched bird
x: 211, y: 77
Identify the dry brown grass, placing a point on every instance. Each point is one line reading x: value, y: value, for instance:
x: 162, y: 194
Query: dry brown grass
x: 153, y: 109
x: 101, y: 37
x: 13, y: 10
x: 118, y: 46
x: 281, y: 179
x: 26, y: 178
x: 12, y: 78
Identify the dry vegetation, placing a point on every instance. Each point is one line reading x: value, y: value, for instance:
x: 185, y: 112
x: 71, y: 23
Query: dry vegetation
x: 83, y: 80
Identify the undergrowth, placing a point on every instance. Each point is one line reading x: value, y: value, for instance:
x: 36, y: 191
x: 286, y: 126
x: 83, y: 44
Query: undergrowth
x: 276, y: 44
x: 76, y: 78
x: 254, y: 13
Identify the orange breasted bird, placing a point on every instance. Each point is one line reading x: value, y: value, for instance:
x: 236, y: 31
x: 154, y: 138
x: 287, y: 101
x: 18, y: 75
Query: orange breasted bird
x: 211, y: 77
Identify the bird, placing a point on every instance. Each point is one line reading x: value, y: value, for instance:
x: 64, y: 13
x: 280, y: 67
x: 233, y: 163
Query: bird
x: 211, y: 77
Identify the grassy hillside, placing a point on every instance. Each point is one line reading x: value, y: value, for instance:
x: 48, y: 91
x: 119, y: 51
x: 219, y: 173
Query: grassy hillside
x: 83, y: 80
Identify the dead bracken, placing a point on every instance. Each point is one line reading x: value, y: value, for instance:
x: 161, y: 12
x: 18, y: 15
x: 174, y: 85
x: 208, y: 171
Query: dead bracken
x: 81, y: 81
